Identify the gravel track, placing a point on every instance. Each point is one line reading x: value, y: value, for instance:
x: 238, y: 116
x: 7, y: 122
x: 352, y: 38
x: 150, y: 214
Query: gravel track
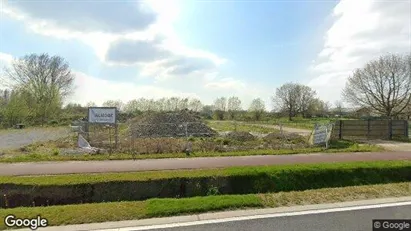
x: 11, y: 139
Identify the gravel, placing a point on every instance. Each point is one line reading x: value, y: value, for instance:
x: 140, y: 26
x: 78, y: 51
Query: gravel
x: 13, y: 138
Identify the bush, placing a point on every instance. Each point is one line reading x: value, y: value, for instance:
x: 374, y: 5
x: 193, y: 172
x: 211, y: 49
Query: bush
x: 53, y: 122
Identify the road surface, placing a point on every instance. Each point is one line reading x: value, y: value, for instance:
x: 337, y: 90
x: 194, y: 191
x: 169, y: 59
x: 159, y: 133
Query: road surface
x: 13, y: 138
x: 354, y: 220
x: 67, y: 167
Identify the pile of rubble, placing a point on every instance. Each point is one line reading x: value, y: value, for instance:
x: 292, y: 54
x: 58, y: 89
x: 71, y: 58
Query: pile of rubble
x: 241, y: 136
x: 170, y: 124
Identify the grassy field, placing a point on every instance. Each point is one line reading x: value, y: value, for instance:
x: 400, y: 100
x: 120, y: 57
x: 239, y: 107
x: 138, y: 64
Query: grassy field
x: 116, y: 211
x: 53, y: 154
x: 223, y: 126
x: 297, y: 122
x: 291, y: 170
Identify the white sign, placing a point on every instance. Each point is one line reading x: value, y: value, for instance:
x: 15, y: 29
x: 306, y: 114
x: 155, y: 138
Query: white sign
x: 322, y: 134
x: 102, y: 115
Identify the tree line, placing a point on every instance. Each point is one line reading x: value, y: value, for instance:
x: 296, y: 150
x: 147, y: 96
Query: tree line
x: 38, y: 84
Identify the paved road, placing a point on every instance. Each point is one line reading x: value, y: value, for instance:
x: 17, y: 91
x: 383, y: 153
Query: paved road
x: 10, y: 139
x: 44, y: 168
x: 356, y: 220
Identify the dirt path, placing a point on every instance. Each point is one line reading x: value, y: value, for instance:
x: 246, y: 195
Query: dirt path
x: 46, y: 168
x: 10, y: 139
x: 391, y: 145
x: 300, y: 131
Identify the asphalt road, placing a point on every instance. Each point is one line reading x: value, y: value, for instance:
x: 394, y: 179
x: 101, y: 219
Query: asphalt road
x: 67, y: 167
x: 355, y: 220
x: 14, y: 138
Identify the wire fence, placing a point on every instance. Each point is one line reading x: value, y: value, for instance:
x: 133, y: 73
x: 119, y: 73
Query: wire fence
x: 189, y: 137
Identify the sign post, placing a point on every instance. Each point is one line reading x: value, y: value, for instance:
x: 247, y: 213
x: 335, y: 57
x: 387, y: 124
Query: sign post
x: 104, y: 116
x: 322, y: 134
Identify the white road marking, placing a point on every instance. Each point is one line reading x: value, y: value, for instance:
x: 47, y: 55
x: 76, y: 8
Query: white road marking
x: 244, y: 218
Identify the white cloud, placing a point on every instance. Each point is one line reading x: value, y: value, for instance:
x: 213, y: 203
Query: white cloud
x: 89, y: 88
x: 5, y: 59
x: 226, y: 84
x: 121, y: 33
x: 362, y: 31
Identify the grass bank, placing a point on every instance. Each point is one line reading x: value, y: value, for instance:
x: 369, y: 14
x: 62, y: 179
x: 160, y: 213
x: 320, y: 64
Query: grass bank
x: 96, y: 188
x: 335, y: 147
x: 116, y: 211
x: 224, y: 126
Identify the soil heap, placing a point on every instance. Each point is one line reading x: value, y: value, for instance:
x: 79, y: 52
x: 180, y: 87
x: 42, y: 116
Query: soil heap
x: 241, y: 136
x: 170, y: 124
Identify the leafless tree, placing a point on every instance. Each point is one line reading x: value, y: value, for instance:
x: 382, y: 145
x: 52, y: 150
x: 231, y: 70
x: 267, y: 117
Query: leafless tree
x: 339, y: 107
x: 114, y: 103
x: 220, y: 106
x: 306, y: 97
x: 43, y: 81
x: 233, y: 106
x: 195, y: 105
x: 91, y: 104
x: 293, y: 98
x: 38, y: 71
x: 383, y: 84
x: 257, y: 107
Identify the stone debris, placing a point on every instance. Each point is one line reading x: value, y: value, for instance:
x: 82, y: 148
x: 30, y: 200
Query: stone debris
x: 170, y: 124
x: 241, y: 136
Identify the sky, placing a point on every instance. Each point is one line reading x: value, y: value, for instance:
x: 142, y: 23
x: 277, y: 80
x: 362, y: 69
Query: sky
x: 124, y: 50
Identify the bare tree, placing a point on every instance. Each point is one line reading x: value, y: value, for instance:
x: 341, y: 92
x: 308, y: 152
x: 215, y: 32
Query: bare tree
x: 220, y: 106
x: 383, y: 85
x: 339, y: 107
x: 257, y: 107
x: 114, y: 103
x: 287, y: 98
x: 43, y: 81
x: 35, y: 71
x: 306, y: 97
x: 195, y: 105
x: 233, y: 106
x: 91, y: 104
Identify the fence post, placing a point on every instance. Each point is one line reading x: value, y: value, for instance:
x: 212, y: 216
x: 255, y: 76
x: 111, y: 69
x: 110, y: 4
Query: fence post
x: 368, y: 128
x: 390, y: 129
x: 340, y: 131
x: 406, y: 128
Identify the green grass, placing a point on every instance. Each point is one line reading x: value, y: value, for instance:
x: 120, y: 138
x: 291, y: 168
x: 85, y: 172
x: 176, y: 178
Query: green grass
x: 168, y: 207
x: 74, y: 179
x: 335, y: 147
x: 223, y: 126
x: 116, y: 211
x: 299, y: 122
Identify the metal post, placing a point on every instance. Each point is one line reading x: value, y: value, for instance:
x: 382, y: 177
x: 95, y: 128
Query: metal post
x: 116, y: 136
x: 326, y: 137
x: 390, y: 129
x: 368, y: 128
x: 340, y: 131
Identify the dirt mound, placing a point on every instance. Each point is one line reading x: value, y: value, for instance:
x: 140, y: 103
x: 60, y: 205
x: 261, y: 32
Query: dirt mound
x: 290, y: 137
x: 170, y: 124
x: 240, y: 136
